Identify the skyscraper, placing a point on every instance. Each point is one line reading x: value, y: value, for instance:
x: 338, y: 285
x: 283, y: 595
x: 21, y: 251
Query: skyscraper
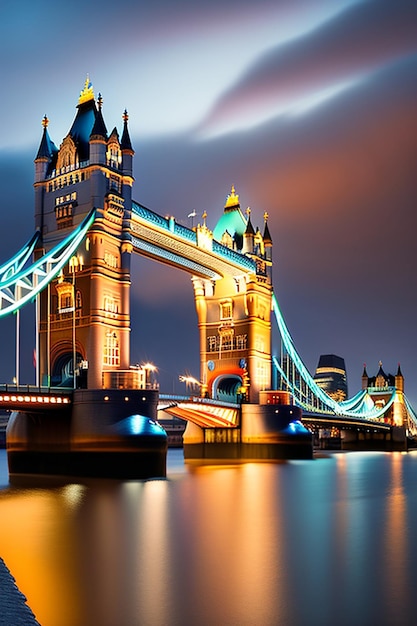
x: 330, y: 375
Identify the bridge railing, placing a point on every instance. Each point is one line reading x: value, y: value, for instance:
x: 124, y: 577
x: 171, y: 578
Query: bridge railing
x: 34, y: 389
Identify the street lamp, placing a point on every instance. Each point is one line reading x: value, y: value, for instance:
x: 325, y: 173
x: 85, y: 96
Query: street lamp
x: 190, y: 382
x: 149, y: 367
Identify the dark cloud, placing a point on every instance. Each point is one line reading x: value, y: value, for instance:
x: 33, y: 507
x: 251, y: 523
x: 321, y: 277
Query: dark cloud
x: 361, y: 39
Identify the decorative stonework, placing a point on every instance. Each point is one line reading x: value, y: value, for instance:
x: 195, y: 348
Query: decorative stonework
x: 67, y: 155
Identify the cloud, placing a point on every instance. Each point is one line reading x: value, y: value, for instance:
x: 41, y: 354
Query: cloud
x: 341, y: 54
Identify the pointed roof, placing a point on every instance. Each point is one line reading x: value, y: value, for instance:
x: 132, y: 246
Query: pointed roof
x: 267, y: 236
x: 249, y: 228
x: 399, y: 372
x: 365, y: 373
x: 125, y: 143
x: 99, y: 129
x: 114, y: 135
x: 84, y: 121
x: 381, y: 371
x: 47, y: 148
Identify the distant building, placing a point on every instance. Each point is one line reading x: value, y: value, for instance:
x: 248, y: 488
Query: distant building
x: 330, y: 375
x: 382, y: 381
x: 387, y: 390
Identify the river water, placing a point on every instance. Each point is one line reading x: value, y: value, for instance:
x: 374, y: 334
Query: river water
x: 332, y: 541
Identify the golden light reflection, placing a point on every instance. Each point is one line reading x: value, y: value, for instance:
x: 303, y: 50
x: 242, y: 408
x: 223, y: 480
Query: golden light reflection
x: 396, y: 534
x: 33, y: 524
x: 154, y: 546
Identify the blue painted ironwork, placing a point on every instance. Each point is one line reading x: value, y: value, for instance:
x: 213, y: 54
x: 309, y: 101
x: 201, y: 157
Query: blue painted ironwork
x: 169, y: 224
x: 308, y: 395
x: 14, y: 265
x: 21, y: 287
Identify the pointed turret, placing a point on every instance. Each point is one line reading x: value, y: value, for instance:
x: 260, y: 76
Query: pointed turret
x: 125, y: 144
x: 127, y: 167
x: 248, y: 235
x: 266, y: 235
x: 365, y: 377
x: 267, y: 239
x: 46, y: 155
x: 127, y: 150
x: 98, y: 136
x: 99, y: 129
x: 399, y: 379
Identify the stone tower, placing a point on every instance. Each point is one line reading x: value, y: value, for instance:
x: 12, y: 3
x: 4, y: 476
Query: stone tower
x: 84, y: 315
x: 234, y: 313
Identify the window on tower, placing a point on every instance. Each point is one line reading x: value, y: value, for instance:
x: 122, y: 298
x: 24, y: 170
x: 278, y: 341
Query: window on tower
x: 111, y: 355
x: 225, y: 310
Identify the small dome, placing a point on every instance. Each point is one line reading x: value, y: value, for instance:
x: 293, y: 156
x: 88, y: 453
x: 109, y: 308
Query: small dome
x: 232, y: 221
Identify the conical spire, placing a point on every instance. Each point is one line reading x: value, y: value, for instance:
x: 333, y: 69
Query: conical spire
x: 99, y: 128
x: 125, y: 143
x: 381, y: 371
x: 266, y: 236
x: 47, y: 148
x: 249, y: 228
x: 399, y: 372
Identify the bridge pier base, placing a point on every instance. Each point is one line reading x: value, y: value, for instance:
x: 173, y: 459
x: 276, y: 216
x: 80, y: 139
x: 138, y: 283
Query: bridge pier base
x: 266, y: 432
x: 106, y: 433
x: 357, y: 439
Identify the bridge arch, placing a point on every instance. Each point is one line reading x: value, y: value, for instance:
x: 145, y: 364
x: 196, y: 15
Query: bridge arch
x: 62, y: 364
x: 227, y: 387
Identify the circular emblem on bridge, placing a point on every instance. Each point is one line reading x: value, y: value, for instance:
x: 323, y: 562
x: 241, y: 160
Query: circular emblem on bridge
x: 210, y: 365
x: 242, y: 364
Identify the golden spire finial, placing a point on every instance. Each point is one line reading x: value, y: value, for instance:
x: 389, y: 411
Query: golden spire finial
x: 232, y: 198
x: 87, y: 93
x: 266, y: 216
x: 204, y: 216
x: 45, y: 121
x: 125, y: 116
x: 99, y: 101
x: 248, y: 211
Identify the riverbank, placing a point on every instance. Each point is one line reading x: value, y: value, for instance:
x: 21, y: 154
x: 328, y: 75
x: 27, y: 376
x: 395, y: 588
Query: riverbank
x: 13, y: 608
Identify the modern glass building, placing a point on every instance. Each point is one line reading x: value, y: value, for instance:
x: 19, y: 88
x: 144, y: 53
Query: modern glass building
x: 330, y: 375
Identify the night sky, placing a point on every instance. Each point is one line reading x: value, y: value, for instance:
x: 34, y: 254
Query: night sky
x: 308, y: 107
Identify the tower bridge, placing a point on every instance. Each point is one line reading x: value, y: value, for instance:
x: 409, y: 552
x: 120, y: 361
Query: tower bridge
x: 77, y: 269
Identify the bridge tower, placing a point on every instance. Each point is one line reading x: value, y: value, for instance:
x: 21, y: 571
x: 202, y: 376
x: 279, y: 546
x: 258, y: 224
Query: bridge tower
x: 381, y: 387
x: 234, y: 312
x: 84, y: 315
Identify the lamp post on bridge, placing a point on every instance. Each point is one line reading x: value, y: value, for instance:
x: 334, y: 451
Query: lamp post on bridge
x: 190, y: 382
x: 149, y: 368
x: 17, y: 338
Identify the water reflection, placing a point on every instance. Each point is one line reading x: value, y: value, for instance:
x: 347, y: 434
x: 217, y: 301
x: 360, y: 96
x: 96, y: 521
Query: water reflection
x: 299, y: 543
